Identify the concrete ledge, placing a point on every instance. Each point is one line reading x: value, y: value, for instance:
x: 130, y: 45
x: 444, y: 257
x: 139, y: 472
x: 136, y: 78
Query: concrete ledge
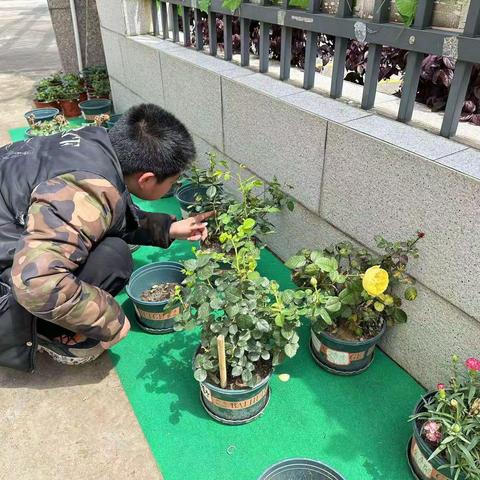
x: 112, y: 16
x: 114, y: 43
x: 123, y: 97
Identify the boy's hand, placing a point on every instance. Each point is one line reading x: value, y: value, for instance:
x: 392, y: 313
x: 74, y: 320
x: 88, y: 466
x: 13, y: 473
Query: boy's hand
x: 119, y: 336
x: 192, y: 228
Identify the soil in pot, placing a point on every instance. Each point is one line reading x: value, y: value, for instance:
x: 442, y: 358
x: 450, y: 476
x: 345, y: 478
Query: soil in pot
x: 158, y: 293
x: 39, y: 104
x: 343, y: 356
x: 70, y: 108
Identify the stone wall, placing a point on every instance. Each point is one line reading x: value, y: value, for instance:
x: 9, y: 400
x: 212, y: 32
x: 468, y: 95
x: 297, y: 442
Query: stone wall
x: 88, y: 29
x: 355, y: 174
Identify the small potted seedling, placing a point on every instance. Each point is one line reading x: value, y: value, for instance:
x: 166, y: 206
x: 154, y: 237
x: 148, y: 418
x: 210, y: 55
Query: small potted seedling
x: 351, y: 295
x: 151, y: 288
x: 47, y: 92
x: 42, y: 129
x: 446, y: 428
x: 71, y: 93
x: 248, y: 325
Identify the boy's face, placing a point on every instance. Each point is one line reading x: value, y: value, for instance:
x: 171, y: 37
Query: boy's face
x: 147, y: 187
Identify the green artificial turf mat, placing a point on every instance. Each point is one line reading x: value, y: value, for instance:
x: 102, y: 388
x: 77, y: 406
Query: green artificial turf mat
x: 357, y: 425
x: 18, y: 134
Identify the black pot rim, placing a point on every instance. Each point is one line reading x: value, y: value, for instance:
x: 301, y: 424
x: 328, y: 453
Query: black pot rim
x: 409, y: 460
x: 153, y: 330
x: 367, y: 342
x: 300, y: 461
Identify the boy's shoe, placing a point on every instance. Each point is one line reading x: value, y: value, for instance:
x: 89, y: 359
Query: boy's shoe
x: 77, y: 354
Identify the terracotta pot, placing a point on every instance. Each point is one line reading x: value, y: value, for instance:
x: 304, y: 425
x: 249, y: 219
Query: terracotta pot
x: 83, y: 97
x: 39, y: 104
x: 70, y: 108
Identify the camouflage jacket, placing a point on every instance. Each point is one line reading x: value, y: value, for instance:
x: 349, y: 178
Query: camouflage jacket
x: 67, y: 215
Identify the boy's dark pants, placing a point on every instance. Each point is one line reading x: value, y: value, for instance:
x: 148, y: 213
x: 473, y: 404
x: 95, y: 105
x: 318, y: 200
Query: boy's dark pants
x: 108, y: 266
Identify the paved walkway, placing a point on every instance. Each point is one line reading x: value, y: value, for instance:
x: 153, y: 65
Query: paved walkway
x: 59, y: 422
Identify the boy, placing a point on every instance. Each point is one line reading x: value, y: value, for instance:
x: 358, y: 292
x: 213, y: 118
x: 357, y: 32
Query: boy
x: 66, y: 216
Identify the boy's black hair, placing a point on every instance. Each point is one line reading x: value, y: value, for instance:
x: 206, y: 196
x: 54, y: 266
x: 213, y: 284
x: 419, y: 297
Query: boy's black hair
x: 147, y: 138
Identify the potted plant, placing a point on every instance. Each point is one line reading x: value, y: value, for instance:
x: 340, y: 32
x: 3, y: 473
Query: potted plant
x: 70, y: 95
x: 100, y: 88
x: 248, y: 325
x: 150, y: 289
x: 46, y: 91
x: 42, y: 129
x: 350, y: 297
x: 446, y: 428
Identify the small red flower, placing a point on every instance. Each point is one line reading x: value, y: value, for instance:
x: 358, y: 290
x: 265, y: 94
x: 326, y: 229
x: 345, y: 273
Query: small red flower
x: 473, y: 364
x: 420, y: 234
x: 441, y: 386
x: 431, y: 431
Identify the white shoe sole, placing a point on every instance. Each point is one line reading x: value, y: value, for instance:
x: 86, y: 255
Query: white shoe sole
x: 65, y: 360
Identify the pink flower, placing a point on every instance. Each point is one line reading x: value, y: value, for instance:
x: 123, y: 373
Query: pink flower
x: 432, y: 431
x: 473, y: 364
x: 440, y: 386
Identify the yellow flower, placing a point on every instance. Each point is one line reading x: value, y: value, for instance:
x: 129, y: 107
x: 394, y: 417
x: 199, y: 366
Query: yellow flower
x: 375, y: 281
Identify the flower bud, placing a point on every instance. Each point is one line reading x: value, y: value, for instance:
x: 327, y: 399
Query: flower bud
x: 456, y: 428
x: 454, y: 403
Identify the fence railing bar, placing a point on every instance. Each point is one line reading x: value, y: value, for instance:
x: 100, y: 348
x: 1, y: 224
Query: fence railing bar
x: 155, y: 18
x: 197, y: 16
x: 186, y: 26
x: 164, y: 19
x: 310, y: 50
x: 212, y: 32
x: 344, y: 10
x: 244, y: 42
x: 227, y: 37
x: 461, y: 77
x: 285, y: 47
x: 381, y: 11
x: 264, y: 47
x: 175, y: 29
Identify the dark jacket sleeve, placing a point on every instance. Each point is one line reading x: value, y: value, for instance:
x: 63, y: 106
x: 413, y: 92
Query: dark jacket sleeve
x: 153, y: 230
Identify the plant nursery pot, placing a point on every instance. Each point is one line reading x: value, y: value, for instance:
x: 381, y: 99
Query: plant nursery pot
x: 419, y: 451
x: 235, y: 407
x: 343, y: 357
x: 300, y: 469
x: 186, y: 197
x: 39, y: 104
x: 113, y: 120
x: 91, y: 108
x: 42, y: 114
x: 153, y: 317
x: 70, y: 108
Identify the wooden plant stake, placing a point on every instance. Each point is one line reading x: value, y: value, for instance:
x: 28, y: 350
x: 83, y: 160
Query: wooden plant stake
x: 222, y: 363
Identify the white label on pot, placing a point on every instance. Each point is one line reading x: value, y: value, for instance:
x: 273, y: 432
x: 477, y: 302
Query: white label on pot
x: 336, y: 357
x: 317, y: 344
x: 206, y: 392
x: 420, y: 461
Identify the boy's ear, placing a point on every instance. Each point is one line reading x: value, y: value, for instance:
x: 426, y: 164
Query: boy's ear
x: 146, y: 178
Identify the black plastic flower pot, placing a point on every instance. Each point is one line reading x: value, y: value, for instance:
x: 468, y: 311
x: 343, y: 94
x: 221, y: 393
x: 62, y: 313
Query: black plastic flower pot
x: 342, y: 357
x: 154, y: 317
x: 113, y: 120
x: 186, y: 197
x: 300, y: 469
x: 91, y: 108
x: 42, y: 114
x: 419, y: 452
x: 235, y: 407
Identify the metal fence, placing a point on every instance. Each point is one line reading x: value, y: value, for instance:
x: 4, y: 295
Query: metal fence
x: 419, y: 40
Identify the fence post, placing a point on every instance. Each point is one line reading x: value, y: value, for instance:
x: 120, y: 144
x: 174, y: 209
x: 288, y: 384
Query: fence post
x: 461, y: 77
x: 198, y: 29
x: 285, y: 47
x: 244, y: 42
x: 310, y: 50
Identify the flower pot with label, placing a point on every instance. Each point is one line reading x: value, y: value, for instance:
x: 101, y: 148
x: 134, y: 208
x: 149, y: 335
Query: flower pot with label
x: 343, y: 357
x: 150, y: 288
x: 419, y: 451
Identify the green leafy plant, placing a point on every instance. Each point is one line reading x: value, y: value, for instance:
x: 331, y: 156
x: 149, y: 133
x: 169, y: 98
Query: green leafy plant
x: 48, y: 94
x: 41, y: 129
x: 450, y: 422
x: 256, y: 199
x: 101, y: 87
x: 257, y: 319
x: 350, y: 291
x: 407, y: 10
